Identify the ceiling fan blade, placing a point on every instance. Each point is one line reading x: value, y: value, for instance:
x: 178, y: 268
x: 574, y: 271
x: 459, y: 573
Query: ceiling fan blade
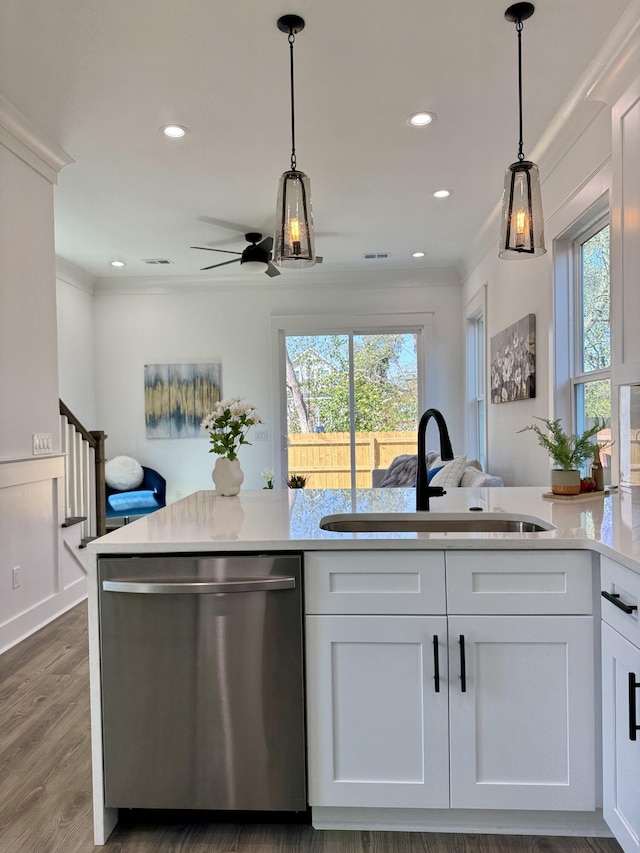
x: 272, y: 270
x: 208, y: 249
x: 223, y: 264
x: 266, y: 244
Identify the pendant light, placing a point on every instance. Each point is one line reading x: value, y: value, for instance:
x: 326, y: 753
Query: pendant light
x: 294, y: 244
x: 522, y: 233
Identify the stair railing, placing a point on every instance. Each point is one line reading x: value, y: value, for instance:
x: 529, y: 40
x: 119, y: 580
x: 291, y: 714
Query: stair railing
x: 84, y: 475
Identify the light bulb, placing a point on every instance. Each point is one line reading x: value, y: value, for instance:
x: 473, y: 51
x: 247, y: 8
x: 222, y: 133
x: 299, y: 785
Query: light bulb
x: 521, y: 227
x: 294, y: 235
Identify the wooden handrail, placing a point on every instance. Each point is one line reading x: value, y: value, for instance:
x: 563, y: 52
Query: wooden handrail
x: 101, y: 493
x: 95, y: 439
x: 88, y: 436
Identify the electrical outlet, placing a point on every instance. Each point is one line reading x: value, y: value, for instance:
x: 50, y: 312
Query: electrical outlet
x: 42, y: 443
x: 261, y: 435
x: 16, y: 578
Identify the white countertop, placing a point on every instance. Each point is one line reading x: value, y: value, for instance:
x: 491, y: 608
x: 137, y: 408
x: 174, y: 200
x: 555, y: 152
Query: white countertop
x: 288, y: 519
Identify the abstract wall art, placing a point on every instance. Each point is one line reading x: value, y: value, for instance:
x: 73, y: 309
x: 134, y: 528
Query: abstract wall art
x: 177, y: 397
x: 513, y: 362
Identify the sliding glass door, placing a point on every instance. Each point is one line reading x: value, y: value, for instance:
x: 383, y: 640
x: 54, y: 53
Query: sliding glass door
x: 351, y: 403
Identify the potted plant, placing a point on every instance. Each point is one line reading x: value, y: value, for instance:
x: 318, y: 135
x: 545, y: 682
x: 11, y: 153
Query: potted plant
x: 569, y: 452
x: 227, y: 426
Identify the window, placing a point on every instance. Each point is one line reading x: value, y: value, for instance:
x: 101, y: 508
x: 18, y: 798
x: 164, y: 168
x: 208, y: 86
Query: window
x: 591, y: 374
x: 352, y: 404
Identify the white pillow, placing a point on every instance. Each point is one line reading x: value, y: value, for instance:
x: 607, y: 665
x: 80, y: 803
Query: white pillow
x: 451, y: 474
x: 123, y: 473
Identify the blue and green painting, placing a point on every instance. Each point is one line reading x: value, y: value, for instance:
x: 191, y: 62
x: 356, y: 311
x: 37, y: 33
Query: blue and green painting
x: 177, y: 397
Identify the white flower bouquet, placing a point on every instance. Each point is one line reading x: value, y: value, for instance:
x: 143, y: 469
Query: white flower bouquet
x: 228, y: 425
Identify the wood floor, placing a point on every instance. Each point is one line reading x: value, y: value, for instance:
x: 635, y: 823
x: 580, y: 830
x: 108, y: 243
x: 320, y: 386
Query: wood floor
x: 45, y: 777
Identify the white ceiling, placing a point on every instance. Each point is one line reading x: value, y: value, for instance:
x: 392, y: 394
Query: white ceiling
x: 100, y: 77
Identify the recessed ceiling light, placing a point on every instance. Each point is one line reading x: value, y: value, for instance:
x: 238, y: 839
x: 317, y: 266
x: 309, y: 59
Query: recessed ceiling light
x: 174, y: 131
x: 418, y: 255
x: 421, y: 119
x: 442, y: 194
x: 118, y: 264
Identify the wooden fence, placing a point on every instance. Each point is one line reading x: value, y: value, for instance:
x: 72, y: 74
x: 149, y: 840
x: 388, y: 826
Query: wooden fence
x: 324, y: 457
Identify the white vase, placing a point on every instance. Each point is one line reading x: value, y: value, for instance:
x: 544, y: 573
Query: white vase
x: 227, y: 476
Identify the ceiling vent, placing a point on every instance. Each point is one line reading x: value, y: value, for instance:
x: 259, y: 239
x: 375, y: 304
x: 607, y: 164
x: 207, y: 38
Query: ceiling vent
x: 376, y: 256
x: 156, y: 261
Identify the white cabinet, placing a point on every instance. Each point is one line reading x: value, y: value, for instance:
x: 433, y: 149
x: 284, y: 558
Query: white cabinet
x: 522, y: 722
x: 377, y: 716
x: 520, y: 735
x: 621, y: 703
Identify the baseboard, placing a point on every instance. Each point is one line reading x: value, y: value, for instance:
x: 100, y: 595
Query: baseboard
x: 477, y: 821
x: 24, y: 624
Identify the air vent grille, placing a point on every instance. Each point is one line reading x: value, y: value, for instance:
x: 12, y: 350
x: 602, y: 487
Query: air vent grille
x: 156, y: 261
x: 376, y: 256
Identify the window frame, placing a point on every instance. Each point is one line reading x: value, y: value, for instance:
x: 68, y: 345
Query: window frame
x: 591, y: 213
x: 420, y: 324
x: 581, y: 377
x: 476, y: 377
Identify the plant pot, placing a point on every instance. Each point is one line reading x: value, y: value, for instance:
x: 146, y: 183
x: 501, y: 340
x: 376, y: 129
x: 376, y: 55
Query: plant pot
x: 565, y: 482
x: 227, y: 476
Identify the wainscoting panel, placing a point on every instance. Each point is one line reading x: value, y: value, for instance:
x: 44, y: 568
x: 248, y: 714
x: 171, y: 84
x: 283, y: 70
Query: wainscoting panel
x: 31, y: 511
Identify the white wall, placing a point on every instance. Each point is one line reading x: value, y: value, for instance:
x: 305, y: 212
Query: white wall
x: 517, y: 288
x: 76, y: 344
x: 28, y: 347
x: 31, y: 504
x: 231, y: 324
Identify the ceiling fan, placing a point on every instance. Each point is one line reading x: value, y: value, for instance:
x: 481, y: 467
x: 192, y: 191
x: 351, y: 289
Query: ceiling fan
x: 255, y: 258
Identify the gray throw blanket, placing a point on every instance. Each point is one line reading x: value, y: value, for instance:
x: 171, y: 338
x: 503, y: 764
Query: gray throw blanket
x: 403, y: 470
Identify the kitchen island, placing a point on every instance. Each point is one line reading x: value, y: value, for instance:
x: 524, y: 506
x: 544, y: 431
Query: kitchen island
x: 409, y: 638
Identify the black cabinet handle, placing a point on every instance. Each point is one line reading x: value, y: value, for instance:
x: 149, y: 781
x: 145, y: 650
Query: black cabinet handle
x: 614, y: 598
x: 463, y: 666
x: 436, y: 663
x: 633, y: 726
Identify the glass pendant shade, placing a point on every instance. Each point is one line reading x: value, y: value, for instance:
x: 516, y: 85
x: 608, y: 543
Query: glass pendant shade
x: 294, y: 244
x: 522, y: 234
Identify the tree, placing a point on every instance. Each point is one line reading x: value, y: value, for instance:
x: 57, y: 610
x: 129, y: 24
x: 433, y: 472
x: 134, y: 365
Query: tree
x: 385, y: 382
x: 596, y: 322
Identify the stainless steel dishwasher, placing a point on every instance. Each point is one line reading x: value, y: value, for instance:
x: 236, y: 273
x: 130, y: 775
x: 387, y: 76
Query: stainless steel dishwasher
x: 202, y: 682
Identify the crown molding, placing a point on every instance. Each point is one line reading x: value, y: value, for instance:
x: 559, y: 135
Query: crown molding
x: 29, y: 144
x: 75, y: 276
x: 391, y: 279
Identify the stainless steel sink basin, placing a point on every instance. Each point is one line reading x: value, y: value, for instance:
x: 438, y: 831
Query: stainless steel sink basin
x: 437, y: 522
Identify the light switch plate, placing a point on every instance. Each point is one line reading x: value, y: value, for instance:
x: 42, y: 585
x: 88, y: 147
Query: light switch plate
x: 261, y: 435
x: 42, y: 443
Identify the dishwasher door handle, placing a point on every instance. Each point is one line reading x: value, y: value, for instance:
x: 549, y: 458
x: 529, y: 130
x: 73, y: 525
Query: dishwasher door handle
x: 198, y: 587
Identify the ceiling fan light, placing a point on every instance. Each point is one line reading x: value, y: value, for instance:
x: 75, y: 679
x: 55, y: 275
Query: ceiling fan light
x: 522, y: 234
x: 294, y: 243
x: 254, y: 266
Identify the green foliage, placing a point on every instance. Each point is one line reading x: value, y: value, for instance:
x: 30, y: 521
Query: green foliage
x: 567, y: 451
x: 297, y: 481
x: 228, y: 425
x: 385, y: 382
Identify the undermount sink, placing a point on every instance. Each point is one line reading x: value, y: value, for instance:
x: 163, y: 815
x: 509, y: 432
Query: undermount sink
x: 422, y: 522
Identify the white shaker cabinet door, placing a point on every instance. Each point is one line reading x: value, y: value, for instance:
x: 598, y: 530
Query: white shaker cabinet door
x: 522, y: 712
x: 621, y: 740
x: 377, y: 716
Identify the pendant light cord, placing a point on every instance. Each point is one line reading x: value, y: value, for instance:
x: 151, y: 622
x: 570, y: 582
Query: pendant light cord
x: 292, y: 38
x: 519, y: 31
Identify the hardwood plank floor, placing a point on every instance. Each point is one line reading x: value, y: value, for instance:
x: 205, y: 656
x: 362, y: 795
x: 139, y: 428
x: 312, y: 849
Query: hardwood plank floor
x: 45, y: 778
